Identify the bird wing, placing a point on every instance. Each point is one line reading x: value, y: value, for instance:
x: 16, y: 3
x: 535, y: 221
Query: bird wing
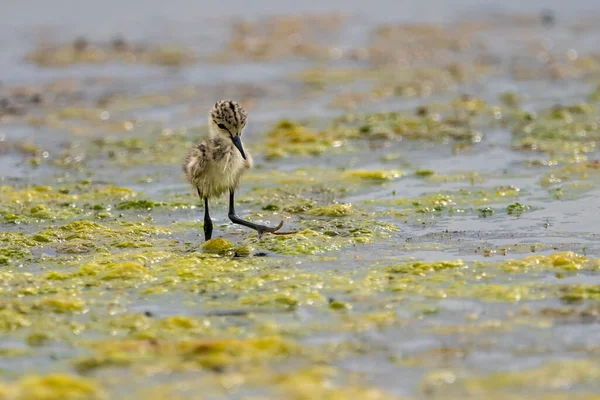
x: 195, y: 162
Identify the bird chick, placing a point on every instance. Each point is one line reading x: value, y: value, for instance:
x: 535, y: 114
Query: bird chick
x: 216, y: 165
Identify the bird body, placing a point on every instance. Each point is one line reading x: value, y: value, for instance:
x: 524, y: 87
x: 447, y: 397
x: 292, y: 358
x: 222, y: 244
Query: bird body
x: 215, y: 166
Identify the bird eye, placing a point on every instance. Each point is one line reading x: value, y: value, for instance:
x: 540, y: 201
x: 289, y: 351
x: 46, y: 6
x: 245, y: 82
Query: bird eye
x: 221, y: 126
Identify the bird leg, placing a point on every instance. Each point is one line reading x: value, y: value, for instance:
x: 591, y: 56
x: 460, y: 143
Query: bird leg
x: 208, y: 226
x: 258, y: 228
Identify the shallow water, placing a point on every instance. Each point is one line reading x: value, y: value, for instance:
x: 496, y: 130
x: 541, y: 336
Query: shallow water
x: 447, y: 251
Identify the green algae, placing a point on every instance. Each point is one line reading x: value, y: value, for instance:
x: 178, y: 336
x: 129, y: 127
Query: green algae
x: 15, y: 246
x: 113, y: 233
x: 339, y: 305
x: 135, y: 300
x: 510, y: 99
x: 424, y: 173
x: 471, y: 177
x: 323, y: 236
x: 459, y: 279
x: 420, y: 268
x: 218, y: 246
x: 165, y: 148
x: 517, y: 209
x: 10, y: 254
x: 61, y: 305
x: 448, y: 203
x: 289, y: 138
x: 83, y: 52
x: 37, y: 213
x: 334, y: 210
x: 138, y: 205
x: 362, y: 322
x: 266, y: 39
x: 386, y: 81
x: 559, y: 131
x: 578, y: 293
x: 293, y: 289
x: 11, y: 319
x: 557, y: 376
x: 79, y: 121
x: 450, y: 122
x: 79, y: 237
x: 37, y: 203
x: 485, y: 212
x: 317, y: 383
x: 567, y: 260
x: 14, y: 352
x: 55, y: 387
x: 119, y: 271
x: 283, y: 300
x: 211, y: 354
x: 304, y: 188
x: 434, y: 358
x: 565, y: 314
x: 577, y: 173
x: 129, y: 244
x: 373, y: 175
x: 81, y: 113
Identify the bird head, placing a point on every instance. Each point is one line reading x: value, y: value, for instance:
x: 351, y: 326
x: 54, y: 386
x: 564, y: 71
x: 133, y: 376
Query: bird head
x: 227, y: 119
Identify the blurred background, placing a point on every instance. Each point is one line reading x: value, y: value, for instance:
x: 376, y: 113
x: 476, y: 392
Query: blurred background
x: 439, y: 160
x: 107, y: 15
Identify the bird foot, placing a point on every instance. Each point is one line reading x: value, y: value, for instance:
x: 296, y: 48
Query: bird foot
x: 265, y: 229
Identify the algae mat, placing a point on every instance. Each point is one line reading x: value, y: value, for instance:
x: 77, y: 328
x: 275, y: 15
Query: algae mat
x: 441, y: 176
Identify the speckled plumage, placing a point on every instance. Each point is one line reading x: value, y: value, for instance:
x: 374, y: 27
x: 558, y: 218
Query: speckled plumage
x: 230, y: 114
x: 215, y: 166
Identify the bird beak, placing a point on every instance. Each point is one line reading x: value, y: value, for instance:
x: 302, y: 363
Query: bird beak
x: 238, y: 143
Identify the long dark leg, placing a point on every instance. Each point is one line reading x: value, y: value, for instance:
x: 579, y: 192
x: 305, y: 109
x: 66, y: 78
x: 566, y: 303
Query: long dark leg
x: 208, y: 226
x: 237, y: 220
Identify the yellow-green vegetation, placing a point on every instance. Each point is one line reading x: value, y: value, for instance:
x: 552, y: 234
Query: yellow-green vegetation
x: 389, y: 81
x: 53, y: 387
x: 451, y: 122
x: 90, y: 250
x: 581, y: 171
x: 218, y: 246
x: 516, y: 209
x: 334, y: 210
x: 79, y: 237
x: 373, y: 175
x: 459, y: 279
x: 552, y: 377
x: 304, y: 242
x: 326, y: 236
x: 464, y: 201
x: 83, y: 52
x: 560, y: 131
x: 289, y: 138
x: 47, y: 203
x: 78, y: 293
x: 179, y: 343
x: 435, y: 178
x: 510, y: 99
x: 271, y: 38
x: 403, y: 126
x: 442, y: 247
x: 95, y: 201
x: 211, y: 354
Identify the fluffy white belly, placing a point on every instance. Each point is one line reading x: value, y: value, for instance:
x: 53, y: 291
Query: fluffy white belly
x: 220, y: 177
